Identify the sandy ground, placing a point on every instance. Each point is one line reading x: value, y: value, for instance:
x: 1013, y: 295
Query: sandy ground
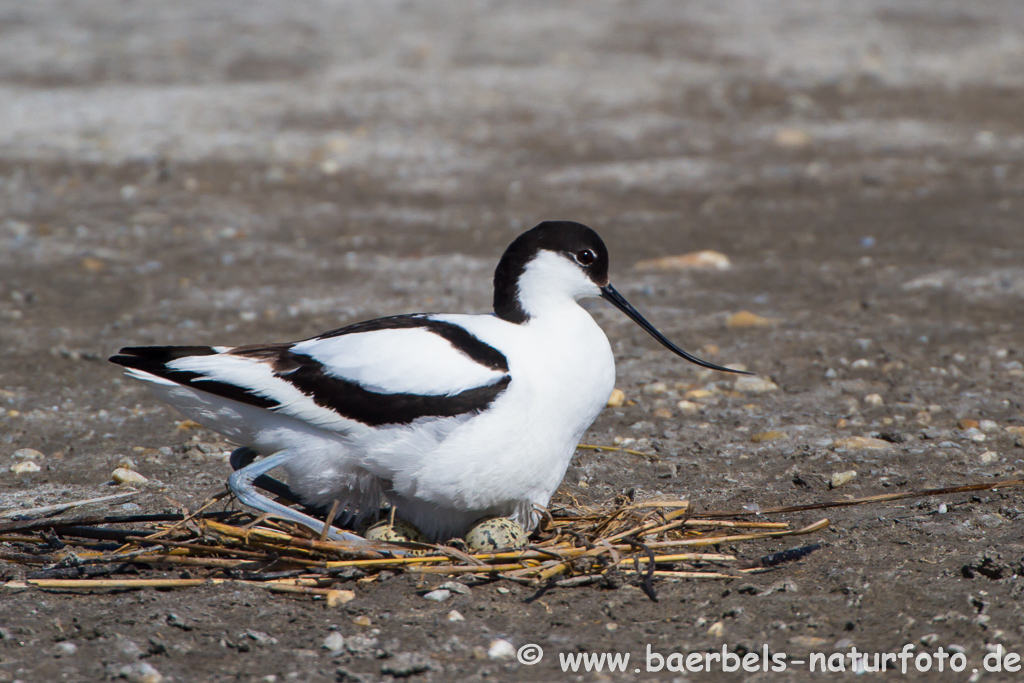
x: 215, y: 172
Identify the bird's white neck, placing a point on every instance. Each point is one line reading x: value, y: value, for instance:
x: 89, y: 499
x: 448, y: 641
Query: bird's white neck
x: 551, y: 285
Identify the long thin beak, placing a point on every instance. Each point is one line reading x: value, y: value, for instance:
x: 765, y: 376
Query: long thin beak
x: 610, y: 294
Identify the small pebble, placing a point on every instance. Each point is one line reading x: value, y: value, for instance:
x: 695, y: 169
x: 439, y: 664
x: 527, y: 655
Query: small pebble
x: 125, y: 476
x: 655, y: 388
x: 943, y: 509
x: 617, y: 398
x: 260, y: 637
x: 860, y: 364
x: 440, y: 595
x: 503, y: 590
x: 988, y: 457
x: 929, y: 639
x: 967, y: 423
x: 697, y: 260
x: 363, y: 621
x: 27, y: 454
x: 988, y: 426
x: 754, y: 385
x: 455, y: 587
x: 140, y: 672
x: 65, y: 649
x: 792, y: 138
x: 747, y: 319
x: 688, y: 407
x: 873, y: 400
x: 454, y: 615
x: 335, y: 642
x: 831, y: 373
x: 771, y: 435
x: 339, y: 597
x: 808, y: 642
x: 840, y: 478
x: 856, y: 443
x: 663, y: 413
x: 717, y: 629
x: 975, y: 434
x: 127, y: 463
x: 501, y: 649
x: 25, y: 467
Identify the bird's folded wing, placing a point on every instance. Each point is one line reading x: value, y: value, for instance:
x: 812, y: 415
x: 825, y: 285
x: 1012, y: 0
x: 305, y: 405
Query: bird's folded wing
x: 391, y: 374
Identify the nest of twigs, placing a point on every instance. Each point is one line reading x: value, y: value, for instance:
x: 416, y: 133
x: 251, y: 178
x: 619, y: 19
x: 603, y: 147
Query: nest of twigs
x: 575, y: 545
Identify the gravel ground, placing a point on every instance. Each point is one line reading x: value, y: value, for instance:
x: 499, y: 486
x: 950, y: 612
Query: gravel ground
x: 210, y: 172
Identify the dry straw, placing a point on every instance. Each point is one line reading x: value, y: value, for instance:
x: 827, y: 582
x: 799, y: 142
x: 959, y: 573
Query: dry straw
x: 576, y: 544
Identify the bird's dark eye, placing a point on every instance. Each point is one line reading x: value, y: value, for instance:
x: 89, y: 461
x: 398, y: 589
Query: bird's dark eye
x: 585, y: 257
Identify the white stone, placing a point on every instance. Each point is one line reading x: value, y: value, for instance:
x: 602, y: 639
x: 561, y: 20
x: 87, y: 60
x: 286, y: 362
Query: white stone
x: 749, y: 384
x: 455, y: 615
x: 655, y: 388
x: 25, y: 467
x: 140, y: 672
x: 501, y: 649
x: 334, y: 642
x: 840, y: 478
x: 440, y: 595
x: 988, y: 426
x: 874, y: 400
x: 125, y: 476
x: 988, y: 457
x: 455, y: 587
x: 975, y: 434
x: 861, y: 363
x: 27, y: 454
x: 688, y: 407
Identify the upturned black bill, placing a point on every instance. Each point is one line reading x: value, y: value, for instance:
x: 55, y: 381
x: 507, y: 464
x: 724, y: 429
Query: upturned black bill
x: 611, y: 295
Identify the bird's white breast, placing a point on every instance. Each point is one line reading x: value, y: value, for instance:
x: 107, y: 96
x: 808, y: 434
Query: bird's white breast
x: 562, y: 372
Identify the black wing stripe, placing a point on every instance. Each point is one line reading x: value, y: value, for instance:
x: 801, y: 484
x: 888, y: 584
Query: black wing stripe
x: 375, y: 409
x: 154, y: 359
x: 345, y: 398
x: 460, y: 338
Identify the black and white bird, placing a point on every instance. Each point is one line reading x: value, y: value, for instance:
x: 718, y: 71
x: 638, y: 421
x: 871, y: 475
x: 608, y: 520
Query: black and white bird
x: 449, y: 418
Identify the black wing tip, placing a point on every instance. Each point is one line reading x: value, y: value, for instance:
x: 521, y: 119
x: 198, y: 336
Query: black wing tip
x: 126, y: 361
x: 149, y: 356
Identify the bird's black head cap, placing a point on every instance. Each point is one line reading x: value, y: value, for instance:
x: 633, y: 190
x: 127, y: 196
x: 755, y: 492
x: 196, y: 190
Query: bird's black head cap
x: 573, y: 240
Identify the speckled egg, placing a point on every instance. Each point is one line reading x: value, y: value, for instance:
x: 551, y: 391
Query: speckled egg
x: 399, y: 531
x: 495, y: 533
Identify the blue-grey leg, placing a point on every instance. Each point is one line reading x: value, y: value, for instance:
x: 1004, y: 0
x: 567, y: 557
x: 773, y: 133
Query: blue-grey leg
x: 244, y: 456
x: 241, y: 484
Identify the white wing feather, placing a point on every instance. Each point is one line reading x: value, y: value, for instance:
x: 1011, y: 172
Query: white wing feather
x: 399, y: 361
